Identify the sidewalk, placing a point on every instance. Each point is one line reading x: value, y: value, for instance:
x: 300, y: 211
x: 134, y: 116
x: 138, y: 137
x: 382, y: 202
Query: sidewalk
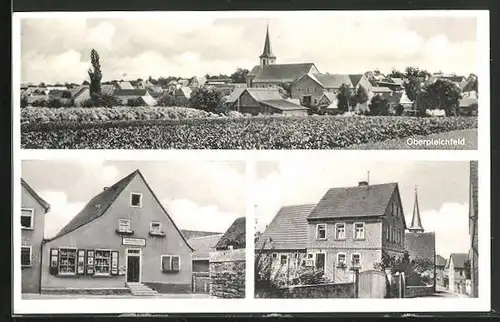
x: 33, y: 296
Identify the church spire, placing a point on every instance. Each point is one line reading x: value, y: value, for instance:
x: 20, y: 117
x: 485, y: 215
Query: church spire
x: 416, y: 222
x: 267, y: 56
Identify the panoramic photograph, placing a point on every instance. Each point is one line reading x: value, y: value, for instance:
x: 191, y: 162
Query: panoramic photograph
x: 131, y: 229
x: 363, y: 229
x: 387, y: 81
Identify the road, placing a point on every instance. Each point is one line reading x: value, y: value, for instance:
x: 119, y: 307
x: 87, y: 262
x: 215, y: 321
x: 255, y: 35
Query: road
x: 71, y: 296
x: 446, y: 294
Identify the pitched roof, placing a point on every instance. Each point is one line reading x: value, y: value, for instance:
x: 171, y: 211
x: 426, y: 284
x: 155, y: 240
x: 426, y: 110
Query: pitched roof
x: 458, y: 259
x: 282, y: 72
x: 107, y: 89
x: 440, y: 260
x: 358, y: 201
x: 130, y: 92
x: 332, y: 80
x: 355, y: 78
x: 262, y: 94
x: 203, y: 245
x: 287, y: 230
x: 125, y: 85
x: 254, y: 71
x: 330, y: 96
x: 98, y: 205
x: 235, y: 94
x: 77, y: 91
x: 381, y: 89
x: 397, y: 80
x: 267, y: 52
x: 197, y: 233
x: 35, y: 195
x: 416, y: 222
x: 283, y: 105
x: 185, y: 91
x: 234, y: 235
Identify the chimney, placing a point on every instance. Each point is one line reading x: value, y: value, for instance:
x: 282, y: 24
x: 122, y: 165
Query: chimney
x: 363, y: 184
x: 105, y: 188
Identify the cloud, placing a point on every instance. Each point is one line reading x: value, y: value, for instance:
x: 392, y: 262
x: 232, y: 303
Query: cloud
x: 188, y: 215
x: 61, y: 211
x: 196, y: 43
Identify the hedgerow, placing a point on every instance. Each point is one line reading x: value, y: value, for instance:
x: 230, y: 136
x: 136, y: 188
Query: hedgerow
x: 311, y: 132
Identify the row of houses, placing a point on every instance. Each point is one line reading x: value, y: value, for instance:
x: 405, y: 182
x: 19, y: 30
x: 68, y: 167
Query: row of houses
x: 122, y: 241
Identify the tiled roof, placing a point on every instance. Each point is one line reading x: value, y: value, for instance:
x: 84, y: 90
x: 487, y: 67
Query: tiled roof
x: 130, y: 92
x: 107, y: 89
x: 287, y: 230
x: 234, y: 236
x: 282, y: 72
x: 284, y: 105
x: 254, y: 71
x: 235, y: 94
x: 330, y: 96
x: 440, y: 261
x: 203, y: 245
x: 262, y: 94
x: 37, y: 197
x: 458, y: 259
x: 358, y: 201
x: 185, y: 91
x: 381, y: 89
x: 125, y: 85
x: 332, y: 80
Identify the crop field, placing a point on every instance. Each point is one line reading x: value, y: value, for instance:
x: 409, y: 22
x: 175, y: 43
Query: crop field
x: 306, y: 132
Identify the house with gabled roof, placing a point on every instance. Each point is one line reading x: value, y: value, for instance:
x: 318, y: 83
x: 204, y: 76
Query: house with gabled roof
x: 122, y: 241
x: 441, y: 274
x: 349, y: 228
x: 456, y: 272
x: 124, y: 95
x: 266, y: 101
x: 33, y: 210
x: 183, y: 94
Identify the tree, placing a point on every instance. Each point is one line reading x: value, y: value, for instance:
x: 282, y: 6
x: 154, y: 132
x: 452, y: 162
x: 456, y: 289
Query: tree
x: 85, y: 83
x: 24, y: 101
x: 396, y: 74
x: 95, y: 74
x: 239, y: 76
x: 378, y: 106
x: 344, y: 98
x: 206, y: 98
x: 167, y: 100
x: 135, y: 102
x: 361, y: 95
x: 440, y: 95
x: 285, y: 89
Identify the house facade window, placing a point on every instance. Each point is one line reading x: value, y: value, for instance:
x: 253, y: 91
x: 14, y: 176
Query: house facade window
x: 155, y: 227
x: 136, y: 199
x: 283, y: 259
x: 310, y: 259
x: 170, y: 263
x: 340, y: 231
x: 25, y: 256
x: 393, y: 234
x: 102, y: 262
x: 123, y: 225
x: 387, y: 232
x: 356, y: 260
x: 27, y: 218
x: 359, y: 230
x: 341, y: 260
x: 321, y: 231
x: 67, y: 261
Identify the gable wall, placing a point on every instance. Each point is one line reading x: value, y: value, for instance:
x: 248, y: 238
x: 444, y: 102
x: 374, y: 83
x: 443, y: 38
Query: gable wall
x: 307, y: 86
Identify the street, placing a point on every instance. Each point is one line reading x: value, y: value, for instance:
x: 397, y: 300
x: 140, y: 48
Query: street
x: 33, y: 296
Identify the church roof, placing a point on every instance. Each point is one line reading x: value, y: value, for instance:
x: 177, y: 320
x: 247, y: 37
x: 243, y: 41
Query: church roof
x: 267, y: 52
x: 286, y: 73
x: 416, y: 222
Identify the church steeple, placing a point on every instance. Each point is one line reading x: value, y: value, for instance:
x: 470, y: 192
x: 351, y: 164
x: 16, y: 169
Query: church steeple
x: 267, y: 57
x: 416, y: 222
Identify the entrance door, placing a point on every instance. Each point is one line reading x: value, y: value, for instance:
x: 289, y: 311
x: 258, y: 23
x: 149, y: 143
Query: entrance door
x: 133, y: 266
x: 320, y: 261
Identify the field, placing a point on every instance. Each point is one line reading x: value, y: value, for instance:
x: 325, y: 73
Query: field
x: 215, y: 132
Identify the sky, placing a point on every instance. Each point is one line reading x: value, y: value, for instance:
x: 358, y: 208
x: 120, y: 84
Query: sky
x: 205, y: 196
x: 58, y: 49
x: 442, y: 187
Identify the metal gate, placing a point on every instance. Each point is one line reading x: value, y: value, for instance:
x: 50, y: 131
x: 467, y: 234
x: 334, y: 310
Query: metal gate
x: 201, y: 283
x: 372, y: 284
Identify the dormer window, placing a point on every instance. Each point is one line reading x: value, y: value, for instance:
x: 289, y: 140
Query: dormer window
x: 136, y: 199
x: 27, y: 218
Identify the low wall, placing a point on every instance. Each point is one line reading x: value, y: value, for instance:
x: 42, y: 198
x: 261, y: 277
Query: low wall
x: 227, y: 273
x: 317, y: 291
x: 418, y: 291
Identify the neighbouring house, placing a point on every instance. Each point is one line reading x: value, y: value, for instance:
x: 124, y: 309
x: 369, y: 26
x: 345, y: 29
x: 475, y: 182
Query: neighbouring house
x: 33, y: 210
x: 388, y: 82
x: 108, y: 89
x: 456, y: 272
x: 421, y: 245
x: 80, y: 94
x: 460, y: 81
x: 143, y: 84
x: 226, y: 89
x: 197, y: 81
x: 310, y: 87
x: 347, y: 229
x: 63, y: 96
x: 234, y: 237
x: 125, y: 85
x: 441, y: 273
x: 329, y: 103
x: 233, y: 96
x: 124, y: 95
x: 202, y: 246
x: 269, y: 74
x: 266, y: 101
x: 473, y: 217
x: 182, y: 95
x: 188, y: 234
x: 50, y: 88
x: 182, y: 83
x: 33, y: 99
x: 123, y: 240
x: 155, y: 91
x: 400, y: 99
x: 383, y: 91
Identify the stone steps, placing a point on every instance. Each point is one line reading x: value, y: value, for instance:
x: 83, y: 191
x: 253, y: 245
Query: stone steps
x: 139, y: 289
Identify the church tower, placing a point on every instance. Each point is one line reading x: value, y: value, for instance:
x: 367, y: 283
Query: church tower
x: 416, y: 222
x: 267, y: 57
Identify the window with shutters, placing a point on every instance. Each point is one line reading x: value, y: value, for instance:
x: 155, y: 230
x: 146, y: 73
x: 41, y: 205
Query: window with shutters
x: 102, y: 262
x: 25, y: 256
x: 170, y: 263
x: 67, y: 261
x: 27, y: 218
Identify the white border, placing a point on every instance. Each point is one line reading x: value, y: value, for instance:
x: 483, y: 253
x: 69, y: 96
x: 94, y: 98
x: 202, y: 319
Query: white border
x: 74, y: 306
